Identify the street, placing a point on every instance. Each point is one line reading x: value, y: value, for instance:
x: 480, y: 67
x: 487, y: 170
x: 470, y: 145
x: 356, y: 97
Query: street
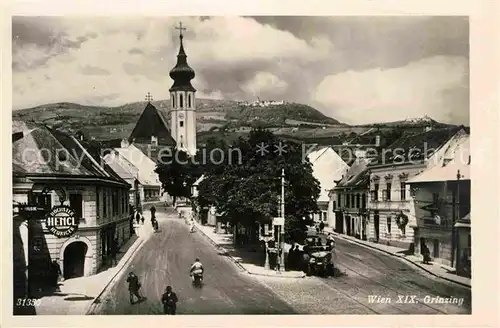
x: 369, y: 282
x: 165, y: 259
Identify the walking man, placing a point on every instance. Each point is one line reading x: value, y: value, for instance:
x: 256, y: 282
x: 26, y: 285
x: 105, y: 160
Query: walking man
x: 169, y: 300
x: 133, y: 287
x: 153, y: 212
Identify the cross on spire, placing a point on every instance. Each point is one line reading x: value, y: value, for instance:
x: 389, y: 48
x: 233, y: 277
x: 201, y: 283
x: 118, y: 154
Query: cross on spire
x: 180, y: 28
x: 149, y: 97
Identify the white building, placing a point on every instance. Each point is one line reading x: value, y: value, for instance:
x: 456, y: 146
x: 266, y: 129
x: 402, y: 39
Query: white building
x: 328, y: 167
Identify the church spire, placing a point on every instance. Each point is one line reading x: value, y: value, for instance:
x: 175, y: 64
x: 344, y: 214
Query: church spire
x: 182, y: 74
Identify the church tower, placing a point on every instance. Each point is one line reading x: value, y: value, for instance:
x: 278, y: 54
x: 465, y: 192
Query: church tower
x: 182, y: 98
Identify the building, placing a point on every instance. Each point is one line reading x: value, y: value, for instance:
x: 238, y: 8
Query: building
x: 142, y: 167
x: 349, y: 200
x: 327, y: 166
x: 392, y: 217
x: 128, y: 172
x: 58, y: 173
x: 441, y: 198
x: 183, y: 102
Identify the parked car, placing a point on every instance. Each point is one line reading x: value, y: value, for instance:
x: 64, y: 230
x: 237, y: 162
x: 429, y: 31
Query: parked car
x: 320, y: 261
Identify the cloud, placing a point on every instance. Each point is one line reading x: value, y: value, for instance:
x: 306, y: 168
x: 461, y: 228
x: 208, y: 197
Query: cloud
x: 263, y: 83
x: 57, y: 59
x: 428, y: 86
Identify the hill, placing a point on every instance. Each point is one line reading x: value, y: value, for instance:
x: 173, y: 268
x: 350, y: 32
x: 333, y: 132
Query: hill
x: 117, y: 122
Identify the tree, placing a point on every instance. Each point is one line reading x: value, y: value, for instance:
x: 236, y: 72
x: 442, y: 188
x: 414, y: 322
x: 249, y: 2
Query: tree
x: 177, y: 172
x: 249, y: 191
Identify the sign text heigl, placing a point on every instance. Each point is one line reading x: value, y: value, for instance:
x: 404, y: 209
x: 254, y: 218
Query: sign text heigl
x: 61, y: 221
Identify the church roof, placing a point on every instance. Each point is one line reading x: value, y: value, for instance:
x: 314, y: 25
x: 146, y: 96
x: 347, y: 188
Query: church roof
x: 182, y: 74
x: 151, y: 123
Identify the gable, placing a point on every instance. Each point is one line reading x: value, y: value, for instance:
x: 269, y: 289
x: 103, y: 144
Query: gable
x: 151, y: 123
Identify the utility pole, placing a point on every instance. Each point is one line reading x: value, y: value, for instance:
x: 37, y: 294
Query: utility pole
x: 282, y: 234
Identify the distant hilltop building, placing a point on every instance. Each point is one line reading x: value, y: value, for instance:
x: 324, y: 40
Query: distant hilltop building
x: 261, y: 103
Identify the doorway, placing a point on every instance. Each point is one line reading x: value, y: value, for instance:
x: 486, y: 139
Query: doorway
x: 74, y: 260
x: 339, y: 222
x: 376, y: 223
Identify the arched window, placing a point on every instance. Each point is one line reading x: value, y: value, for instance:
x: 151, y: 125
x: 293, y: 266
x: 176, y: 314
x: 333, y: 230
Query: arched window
x: 189, y: 100
x: 173, y: 100
x: 181, y: 101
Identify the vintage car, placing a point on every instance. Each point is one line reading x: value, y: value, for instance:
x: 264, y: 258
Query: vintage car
x: 320, y: 260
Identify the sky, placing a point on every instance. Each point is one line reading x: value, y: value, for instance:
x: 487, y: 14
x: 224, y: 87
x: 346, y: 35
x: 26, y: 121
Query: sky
x: 355, y: 69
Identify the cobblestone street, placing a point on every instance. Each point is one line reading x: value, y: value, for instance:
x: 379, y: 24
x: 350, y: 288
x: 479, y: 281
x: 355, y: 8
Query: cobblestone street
x: 370, y: 283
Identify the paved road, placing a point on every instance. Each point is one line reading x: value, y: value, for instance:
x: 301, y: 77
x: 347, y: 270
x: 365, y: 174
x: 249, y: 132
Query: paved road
x: 368, y: 272
x: 165, y: 259
x: 370, y: 283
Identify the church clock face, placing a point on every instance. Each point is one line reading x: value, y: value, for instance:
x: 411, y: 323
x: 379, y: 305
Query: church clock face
x: 181, y: 116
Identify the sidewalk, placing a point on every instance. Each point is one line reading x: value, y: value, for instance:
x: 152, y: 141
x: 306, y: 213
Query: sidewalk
x: 77, y: 295
x: 435, y: 269
x: 249, y: 261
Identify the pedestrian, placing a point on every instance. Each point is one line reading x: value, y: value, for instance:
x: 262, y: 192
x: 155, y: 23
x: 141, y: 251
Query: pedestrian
x: 169, y: 300
x: 142, y: 219
x: 153, y: 212
x: 292, y: 257
x: 137, y: 216
x: 133, y: 287
x: 321, y: 226
x: 426, y: 253
x: 55, y: 270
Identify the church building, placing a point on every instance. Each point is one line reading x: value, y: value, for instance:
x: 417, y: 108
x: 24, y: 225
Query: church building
x: 151, y: 133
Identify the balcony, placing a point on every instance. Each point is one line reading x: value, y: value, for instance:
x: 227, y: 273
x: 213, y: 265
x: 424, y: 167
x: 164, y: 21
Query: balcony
x: 392, y: 205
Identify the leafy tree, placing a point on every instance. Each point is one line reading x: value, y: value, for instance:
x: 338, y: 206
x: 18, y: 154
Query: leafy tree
x: 249, y: 190
x: 177, y: 172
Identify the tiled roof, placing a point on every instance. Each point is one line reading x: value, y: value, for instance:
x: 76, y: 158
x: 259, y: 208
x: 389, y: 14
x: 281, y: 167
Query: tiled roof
x: 45, y: 151
x: 415, y: 147
x: 151, y: 123
x: 357, y: 175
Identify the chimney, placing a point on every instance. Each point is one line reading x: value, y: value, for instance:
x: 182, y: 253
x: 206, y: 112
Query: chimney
x: 124, y: 143
x: 377, y: 141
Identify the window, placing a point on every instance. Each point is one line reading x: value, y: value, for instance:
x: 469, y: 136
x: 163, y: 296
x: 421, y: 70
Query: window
x: 339, y: 200
x: 388, y: 191
x: 114, y: 205
x: 389, y: 219
x: 375, y: 192
x: 181, y: 123
x: 97, y: 202
x: 403, y: 190
x: 42, y: 200
x: 353, y: 200
x: 189, y: 100
x: 435, y: 204
x: 358, y: 198
x: 363, y: 201
x: 173, y: 100
x: 334, y: 205
x: 347, y: 201
x: 104, y: 203
x: 76, y: 203
x: 181, y: 101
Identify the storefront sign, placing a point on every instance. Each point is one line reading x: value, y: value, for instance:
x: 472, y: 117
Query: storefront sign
x: 278, y: 221
x: 61, y: 221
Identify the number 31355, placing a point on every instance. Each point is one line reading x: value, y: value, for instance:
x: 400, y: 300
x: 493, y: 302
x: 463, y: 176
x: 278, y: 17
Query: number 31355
x: 28, y: 302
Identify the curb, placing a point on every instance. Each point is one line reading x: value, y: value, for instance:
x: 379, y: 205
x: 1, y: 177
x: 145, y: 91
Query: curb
x: 219, y: 247
x: 403, y: 258
x: 119, y: 270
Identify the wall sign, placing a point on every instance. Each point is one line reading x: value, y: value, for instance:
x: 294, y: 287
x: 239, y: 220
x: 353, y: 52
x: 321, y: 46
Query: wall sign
x: 61, y: 221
